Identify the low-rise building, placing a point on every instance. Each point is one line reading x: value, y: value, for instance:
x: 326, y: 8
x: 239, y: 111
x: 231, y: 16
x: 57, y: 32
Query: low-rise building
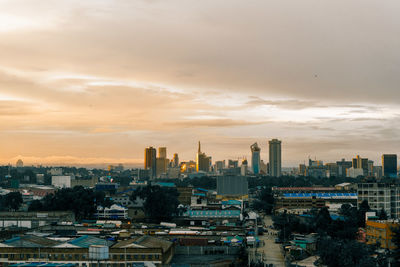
x: 380, y: 232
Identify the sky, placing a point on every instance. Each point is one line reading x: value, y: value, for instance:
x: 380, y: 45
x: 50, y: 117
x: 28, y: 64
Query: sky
x: 95, y: 82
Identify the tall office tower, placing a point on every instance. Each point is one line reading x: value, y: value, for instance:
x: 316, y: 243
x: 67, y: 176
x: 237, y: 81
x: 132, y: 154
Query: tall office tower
x: 202, y: 161
x: 255, y: 158
x: 162, y: 152
x: 275, y: 158
x: 150, y: 161
x: 244, y: 168
x: 361, y: 163
x: 343, y: 166
x: 176, y: 160
x: 389, y: 165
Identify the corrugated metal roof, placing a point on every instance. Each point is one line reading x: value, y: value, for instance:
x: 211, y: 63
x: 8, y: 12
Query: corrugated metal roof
x: 87, y: 241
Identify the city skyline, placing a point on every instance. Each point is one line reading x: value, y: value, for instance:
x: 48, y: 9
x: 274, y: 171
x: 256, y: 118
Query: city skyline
x: 97, y: 82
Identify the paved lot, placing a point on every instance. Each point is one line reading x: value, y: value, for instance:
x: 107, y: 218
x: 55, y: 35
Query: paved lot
x: 272, y: 252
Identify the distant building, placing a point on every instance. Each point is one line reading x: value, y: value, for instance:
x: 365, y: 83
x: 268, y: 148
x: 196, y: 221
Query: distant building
x: 61, y: 181
x: 56, y: 171
x: 176, y: 160
x: 316, y: 169
x: 343, y: 165
x: 389, y: 165
x: 219, y: 166
x: 354, y: 172
x: 40, y: 178
x: 302, y: 170
x: 377, y: 171
x: 162, y: 152
x: 115, y: 212
x: 275, y: 158
x: 255, y: 158
x: 233, y: 164
x: 331, y: 170
x: 244, y: 168
x: 361, y: 163
x: 202, y: 161
x: 20, y: 163
x: 232, y: 185
x: 150, y: 161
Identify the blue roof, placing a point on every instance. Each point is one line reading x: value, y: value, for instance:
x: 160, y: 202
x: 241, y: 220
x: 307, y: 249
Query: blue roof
x: 213, y: 213
x: 163, y: 184
x: 87, y: 241
x: 199, y: 194
x: 232, y: 202
x: 201, y: 189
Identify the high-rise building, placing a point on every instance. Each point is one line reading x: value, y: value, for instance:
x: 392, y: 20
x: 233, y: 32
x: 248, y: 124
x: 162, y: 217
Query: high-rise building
x: 255, y: 158
x: 275, y: 158
x: 233, y: 164
x: 176, y: 160
x: 244, y: 168
x: 219, y: 166
x: 343, y: 165
x: 150, y: 162
x: 361, y: 163
x: 202, y: 161
x: 389, y: 165
x: 162, y: 152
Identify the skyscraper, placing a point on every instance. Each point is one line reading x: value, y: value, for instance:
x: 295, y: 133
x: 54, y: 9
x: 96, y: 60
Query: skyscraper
x: 150, y: 160
x: 389, y: 165
x: 202, y: 161
x: 255, y: 158
x: 176, y: 160
x: 275, y: 158
x: 361, y: 163
x: 162, y: 152
x: 162, y: 161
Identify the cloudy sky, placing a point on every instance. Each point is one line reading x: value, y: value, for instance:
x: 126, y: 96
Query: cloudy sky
x: 92, y: 82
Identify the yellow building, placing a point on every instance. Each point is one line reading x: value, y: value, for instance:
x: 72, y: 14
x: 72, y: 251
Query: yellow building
x: 380, y: 231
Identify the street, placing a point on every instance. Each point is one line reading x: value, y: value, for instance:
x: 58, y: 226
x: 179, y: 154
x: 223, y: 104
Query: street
x: 272, y: 252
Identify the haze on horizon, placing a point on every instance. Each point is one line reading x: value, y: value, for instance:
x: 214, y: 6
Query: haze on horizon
x: 91, y: 82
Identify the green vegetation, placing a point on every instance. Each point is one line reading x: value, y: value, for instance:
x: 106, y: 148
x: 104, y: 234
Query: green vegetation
x: 83, y: 202
x: 11, y: 202
x: 160, y: 203
x: 336, y: 236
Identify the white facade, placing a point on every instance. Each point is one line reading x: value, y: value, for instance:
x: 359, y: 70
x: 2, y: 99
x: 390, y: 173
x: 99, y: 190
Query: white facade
x: 61, y: 181
x: 354, y: 172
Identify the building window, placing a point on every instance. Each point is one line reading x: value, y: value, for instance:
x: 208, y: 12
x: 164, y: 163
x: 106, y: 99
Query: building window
x: 143, y: 257
x: 121, y: 257
x: 76, y: 256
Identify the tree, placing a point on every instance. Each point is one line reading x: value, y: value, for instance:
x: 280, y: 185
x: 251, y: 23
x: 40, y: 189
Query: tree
x: 364, y: 207
x: 265, y: 201
x: 12, y: 201
x: 345, y: 253
x: 160, y: 203
x: 83, y: 202
x: 382, y: 215
x: 35, y: 205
